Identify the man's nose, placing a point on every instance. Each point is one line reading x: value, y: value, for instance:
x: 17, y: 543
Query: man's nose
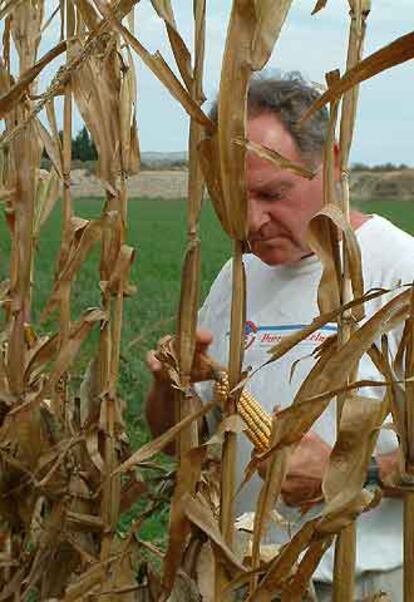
x: 257, y: 215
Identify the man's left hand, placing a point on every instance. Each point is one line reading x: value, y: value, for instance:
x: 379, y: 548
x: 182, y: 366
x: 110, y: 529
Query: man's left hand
x: 306, y: 469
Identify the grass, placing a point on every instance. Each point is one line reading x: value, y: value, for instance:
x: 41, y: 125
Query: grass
x: 156, y: 229
x: 398, y: 212
x: 157, y: 232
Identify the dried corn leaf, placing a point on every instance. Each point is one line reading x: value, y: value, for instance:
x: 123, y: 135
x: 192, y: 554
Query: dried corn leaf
x: 252, y: 32
x: 315, y: 536
x: 269, y: 492
x: 332, y: 370
x: 399, y: 51
x: 230, y: 424
x: 96, y: 86
x: 270, y: 18
x: 188, y: 476
x: 159, y: 67
x: 119, y: 275
x: 88, y: 581
x: 200, y: 514
x: 9, y: 100
x: 78, y: 332
x: 127, y: 113
x: 181, y: 53
x: 290, y: 341
x: 208, y: 153
x: 26, y: 432
x: 91, y: 233
x: 320, y: 240
x: 297, y: 585
x: 339, y: 514
x: 7, y: 7
x: 25, y: 29
x: 149, y: 450
x: 279, y: 569
x: 320, y: 4
x: 276, y: 159
x: 361, y: 420
x: 87, y: 13
x: 47, y: 193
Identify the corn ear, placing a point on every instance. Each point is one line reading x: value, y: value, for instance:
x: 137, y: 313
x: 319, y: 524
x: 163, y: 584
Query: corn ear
x: 257, y: 420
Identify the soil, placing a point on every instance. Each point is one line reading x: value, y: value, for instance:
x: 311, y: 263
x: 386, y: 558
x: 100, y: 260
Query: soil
x: 152, y: 184
x: 172, y: 184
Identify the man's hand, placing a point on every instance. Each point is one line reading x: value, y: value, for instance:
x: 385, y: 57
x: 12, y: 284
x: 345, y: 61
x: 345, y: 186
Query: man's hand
x: 160, y: 398
x: 389, y: 473
x: 302, y: 485
x: 306, y: 469
x: 201, y: 368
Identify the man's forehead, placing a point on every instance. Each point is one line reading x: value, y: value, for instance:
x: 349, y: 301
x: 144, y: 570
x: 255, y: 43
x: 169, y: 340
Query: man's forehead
x: 266, y: 129
x: 270, y: 182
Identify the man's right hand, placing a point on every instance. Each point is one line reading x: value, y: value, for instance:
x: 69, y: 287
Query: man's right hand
x: 160, y: 399
x: 201, y: 366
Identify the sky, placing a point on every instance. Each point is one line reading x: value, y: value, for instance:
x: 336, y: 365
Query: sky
x: 313, y: 45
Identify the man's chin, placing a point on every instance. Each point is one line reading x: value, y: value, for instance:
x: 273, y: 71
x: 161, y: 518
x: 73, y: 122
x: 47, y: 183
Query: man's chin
x: 277, y: 255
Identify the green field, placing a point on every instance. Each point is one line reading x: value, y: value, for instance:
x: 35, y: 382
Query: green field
x: 157, y: 232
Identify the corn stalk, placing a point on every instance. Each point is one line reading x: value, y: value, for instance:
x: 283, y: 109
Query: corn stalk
x: 24, y: 156
x: 408, y: 446
x: 187, y: 313
x: 61, y: 464
x: 345, y: 545
x: 65, y: 312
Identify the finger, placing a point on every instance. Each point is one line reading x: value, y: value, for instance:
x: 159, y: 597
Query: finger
x: 312, y: 438
x: 204, y: 338
x: 153, y: 364
x: 164, y: 340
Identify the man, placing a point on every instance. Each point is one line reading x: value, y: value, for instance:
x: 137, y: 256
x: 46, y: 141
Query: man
x: 282, y: 281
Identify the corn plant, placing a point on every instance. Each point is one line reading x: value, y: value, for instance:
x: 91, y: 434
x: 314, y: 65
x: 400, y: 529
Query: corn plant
x: 67, y: 472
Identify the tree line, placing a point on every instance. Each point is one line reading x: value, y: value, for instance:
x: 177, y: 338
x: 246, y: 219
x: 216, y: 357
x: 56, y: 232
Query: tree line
x: 84, y: 149
x: 83, y: 146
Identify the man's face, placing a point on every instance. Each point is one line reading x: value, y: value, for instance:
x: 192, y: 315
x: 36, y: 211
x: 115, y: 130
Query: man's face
x: 280, y: 203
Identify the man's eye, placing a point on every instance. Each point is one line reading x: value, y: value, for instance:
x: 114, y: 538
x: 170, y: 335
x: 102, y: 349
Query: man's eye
x: 272, y: 196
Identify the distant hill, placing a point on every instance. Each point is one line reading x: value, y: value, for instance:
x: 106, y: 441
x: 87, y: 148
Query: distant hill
x: 156, y: 160
x: 383, y: 184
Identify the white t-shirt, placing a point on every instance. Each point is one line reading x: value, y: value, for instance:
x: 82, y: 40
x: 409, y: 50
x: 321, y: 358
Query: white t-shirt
x: 281, y: 300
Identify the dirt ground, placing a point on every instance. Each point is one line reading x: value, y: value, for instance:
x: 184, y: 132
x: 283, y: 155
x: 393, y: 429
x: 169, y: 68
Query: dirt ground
x: 151, y: 184
x: 172, y: 184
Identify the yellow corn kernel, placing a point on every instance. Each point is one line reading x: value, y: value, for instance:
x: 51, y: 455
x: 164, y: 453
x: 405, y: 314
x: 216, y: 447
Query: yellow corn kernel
x: 258, y: 421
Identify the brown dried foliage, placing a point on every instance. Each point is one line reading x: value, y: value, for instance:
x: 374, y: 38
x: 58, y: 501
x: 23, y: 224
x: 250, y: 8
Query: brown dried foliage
x: 66, y: 471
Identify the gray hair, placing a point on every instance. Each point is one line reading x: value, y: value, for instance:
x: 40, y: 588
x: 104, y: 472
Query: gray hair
x: 289, y: 96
